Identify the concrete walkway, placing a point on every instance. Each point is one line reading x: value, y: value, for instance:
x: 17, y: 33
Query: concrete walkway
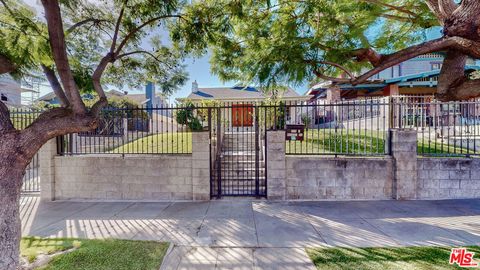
x: 257, y: 234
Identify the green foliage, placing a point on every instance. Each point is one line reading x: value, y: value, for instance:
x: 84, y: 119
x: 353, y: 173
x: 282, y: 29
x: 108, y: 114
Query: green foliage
x: 89, y: 27
x: 96, y: 254
x: 148, y: 58
x: 273, y: 43
x: 188, y: 116
x: 23, y: 37
x: 306, y: 120
x: 402, y: 258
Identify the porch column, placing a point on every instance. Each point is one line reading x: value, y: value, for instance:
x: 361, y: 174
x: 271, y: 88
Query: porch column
x: 276, y: 165
x: 391, y: 90
x: 46, y: 157
x: 200, y: 166
x: 333, y: 94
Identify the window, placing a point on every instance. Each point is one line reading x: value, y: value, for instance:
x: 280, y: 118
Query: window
x: 4, y: 98
x: 436, y: 66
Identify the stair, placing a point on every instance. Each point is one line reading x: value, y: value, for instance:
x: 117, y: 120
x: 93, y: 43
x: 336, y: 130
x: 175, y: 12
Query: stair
x: 238, y: 161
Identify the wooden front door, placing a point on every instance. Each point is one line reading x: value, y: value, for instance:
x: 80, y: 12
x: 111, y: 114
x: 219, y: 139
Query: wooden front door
x: 242, y: 115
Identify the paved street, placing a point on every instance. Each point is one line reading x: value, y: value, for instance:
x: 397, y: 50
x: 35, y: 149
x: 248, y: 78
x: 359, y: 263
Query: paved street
x: 257, y: 234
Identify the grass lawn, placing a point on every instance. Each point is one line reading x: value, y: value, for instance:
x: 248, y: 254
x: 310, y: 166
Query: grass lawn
x: 424, y: 258
x: 177, y: 142
x: 359, y: 142
x: 317, y: 141
x: 96, y: 254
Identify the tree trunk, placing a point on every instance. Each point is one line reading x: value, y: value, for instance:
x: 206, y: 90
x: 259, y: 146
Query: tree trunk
x: 11, y: 177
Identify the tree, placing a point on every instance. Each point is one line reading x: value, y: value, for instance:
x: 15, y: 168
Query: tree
x: 123, y: 26
x: 275, y: 42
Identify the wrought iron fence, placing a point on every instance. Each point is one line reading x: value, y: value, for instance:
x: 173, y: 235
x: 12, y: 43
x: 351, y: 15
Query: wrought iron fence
x: 444, y: 128
x: 157, y: 130
x: 357, y: 127
x: 21, y: 118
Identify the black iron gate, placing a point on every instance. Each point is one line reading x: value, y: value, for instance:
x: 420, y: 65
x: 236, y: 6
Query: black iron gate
x: 31, y: 178
x: 237, y: 151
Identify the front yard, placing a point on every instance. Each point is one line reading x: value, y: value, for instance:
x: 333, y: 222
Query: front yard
x: 325, y: 141
x: 405, y: 258
x: 83, y: 254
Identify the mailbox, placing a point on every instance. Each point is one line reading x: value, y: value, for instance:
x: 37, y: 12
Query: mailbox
x: 294, y: 132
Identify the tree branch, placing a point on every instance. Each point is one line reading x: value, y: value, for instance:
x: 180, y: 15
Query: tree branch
x: 55, y: 84
x: 81, y: 23
x: 117, y: 29
x: 52, y: 123
x: 6, y: 66
x: 322, y: 76
x: 392, y: 7
x: 5, y: 121
x: 97, y: 74
x: 466, y: 46
x: 58, y: 46
x: 435, y: 8
x: 368, y: 54
x: 446, y: 7
x: 134, y: 31
x: 138, y: 52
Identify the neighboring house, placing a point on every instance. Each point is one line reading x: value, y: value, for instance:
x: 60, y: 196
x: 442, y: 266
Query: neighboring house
x: 10, y: 91
x: 149, y: 99
x: 241, y: 99
x: 417, y: 76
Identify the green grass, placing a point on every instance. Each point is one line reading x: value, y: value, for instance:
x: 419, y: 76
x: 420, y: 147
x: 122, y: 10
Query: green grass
x: 177, y: 142
x: 423, y: 258
x: 315, y: 142
x: 96, y: 254
x: 331, y: 141
x: 359, y: 142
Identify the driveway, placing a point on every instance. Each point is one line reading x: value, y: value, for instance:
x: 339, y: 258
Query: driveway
x: 240, y: 234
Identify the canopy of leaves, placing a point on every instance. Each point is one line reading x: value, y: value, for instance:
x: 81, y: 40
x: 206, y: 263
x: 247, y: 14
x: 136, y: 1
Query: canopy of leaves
x: 145, y: 58
x: 23, y: 38
x: 284, y: 41
x: 89, y: 28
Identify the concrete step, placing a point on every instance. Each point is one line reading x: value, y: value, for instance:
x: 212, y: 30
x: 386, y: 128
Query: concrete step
x: 241, y: 172
x: 247, y: 163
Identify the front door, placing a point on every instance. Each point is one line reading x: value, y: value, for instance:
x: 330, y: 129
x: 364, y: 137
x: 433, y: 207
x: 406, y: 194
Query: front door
x: 242, y: 115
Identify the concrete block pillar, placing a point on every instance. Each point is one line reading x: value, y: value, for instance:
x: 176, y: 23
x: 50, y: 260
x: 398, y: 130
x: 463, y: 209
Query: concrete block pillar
x: 46, y: 157
x: 404, y: 153
x: 276, y: 165
x: 200, y: 166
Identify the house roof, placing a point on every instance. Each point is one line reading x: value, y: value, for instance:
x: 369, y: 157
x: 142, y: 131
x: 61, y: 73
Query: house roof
x: 140, y: 98
x: 236, y: 93
x: 402, y: 81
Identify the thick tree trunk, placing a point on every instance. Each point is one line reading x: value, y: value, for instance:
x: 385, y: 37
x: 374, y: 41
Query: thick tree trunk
x: 12, y: 167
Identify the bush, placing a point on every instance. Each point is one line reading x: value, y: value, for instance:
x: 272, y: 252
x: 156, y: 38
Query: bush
x: 186, y: 117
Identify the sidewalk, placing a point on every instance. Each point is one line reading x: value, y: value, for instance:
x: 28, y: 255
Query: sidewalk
x: 257, y: 234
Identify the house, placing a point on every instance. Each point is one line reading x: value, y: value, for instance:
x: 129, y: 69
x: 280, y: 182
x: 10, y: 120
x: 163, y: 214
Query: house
x: 11, y: 91
x: 149, y: 99
x: 240, y: 100
x: 415, y: 77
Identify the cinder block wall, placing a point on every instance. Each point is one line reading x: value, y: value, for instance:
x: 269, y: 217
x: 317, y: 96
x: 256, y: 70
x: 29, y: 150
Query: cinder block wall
x: 117, y: 178
x: 310, y: 178
x: 448, y: 178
